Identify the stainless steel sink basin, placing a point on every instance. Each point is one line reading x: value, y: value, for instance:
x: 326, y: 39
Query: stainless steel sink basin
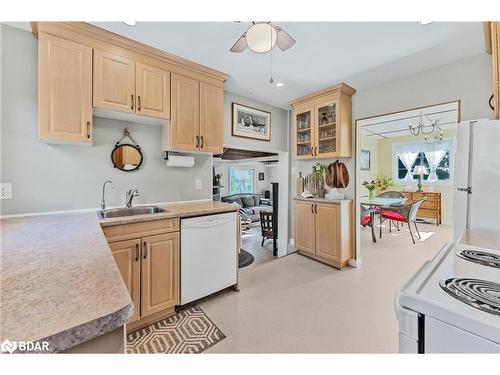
x: 123, y: 212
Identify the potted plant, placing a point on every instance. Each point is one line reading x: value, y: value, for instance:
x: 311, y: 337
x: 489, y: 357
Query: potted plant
x: 382, y: 182
x: 318, y: 177
x: 370, y: 186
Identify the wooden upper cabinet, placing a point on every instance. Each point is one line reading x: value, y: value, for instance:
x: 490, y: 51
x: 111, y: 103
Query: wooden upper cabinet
x: 160, y: 273
x: 114, y: 82
x: 64, y: 90
x: 211, y: 118
x: 185, y: 116
x: 327, y: 231
x: 322, y: 123
x: 304, y: 227
x: 128, y: 259
x: 153, y: 91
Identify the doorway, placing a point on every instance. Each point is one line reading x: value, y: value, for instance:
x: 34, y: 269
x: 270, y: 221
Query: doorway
x: 407, y: 159
x: 249, y: 178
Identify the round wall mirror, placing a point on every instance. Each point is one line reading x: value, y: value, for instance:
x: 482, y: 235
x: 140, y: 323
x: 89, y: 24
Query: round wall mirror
x: 126, y: 157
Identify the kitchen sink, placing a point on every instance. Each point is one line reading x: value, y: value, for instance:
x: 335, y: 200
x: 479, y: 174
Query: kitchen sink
x: 133, y: 211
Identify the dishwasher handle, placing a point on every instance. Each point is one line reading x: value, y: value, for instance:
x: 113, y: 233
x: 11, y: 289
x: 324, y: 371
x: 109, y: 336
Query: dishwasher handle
x: 208, y: 222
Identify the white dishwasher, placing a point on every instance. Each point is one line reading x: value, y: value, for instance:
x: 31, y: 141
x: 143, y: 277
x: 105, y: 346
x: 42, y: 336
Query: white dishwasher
x: 208, y: 255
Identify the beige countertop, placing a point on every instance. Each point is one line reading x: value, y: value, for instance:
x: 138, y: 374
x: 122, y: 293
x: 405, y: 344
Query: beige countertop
x: 323, y: 200
x: 181, y: 210
x: 59, y: 282
x: 481, y: 238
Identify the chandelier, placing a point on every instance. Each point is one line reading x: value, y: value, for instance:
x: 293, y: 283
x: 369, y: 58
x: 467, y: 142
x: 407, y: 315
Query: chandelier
x: 418, y: 127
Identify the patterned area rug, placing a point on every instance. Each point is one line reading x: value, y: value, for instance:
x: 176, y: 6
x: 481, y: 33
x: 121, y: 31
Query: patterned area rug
x: 188, y: 331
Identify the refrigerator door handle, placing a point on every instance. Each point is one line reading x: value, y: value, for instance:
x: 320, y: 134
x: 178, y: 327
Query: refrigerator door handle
x: 468, y: 189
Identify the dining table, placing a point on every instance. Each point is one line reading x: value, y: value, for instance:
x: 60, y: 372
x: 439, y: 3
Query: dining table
x: 374, y: 205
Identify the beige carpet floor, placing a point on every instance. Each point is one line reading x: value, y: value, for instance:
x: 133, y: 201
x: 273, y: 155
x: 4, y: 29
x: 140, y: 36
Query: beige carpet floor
x: 296, y: 305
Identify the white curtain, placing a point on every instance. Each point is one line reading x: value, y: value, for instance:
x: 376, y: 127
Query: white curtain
x: 408, y: 158
x: 434, y: 158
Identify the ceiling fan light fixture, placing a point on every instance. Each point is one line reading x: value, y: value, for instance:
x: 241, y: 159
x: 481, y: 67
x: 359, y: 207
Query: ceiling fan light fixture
x: 280, y: 84
x: 261, y: 37
x: 130, y: 23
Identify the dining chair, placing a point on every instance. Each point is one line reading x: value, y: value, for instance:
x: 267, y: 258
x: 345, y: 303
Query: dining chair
x: 405, y: 213
x: 390, y: 194
x: 266, y: 226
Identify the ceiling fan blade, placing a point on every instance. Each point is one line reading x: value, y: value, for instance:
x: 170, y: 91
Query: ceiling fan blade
x: 284, y: 41
x: 240, y: 44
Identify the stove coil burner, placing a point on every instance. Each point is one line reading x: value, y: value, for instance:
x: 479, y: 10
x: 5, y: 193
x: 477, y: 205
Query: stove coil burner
x: 481, y: 294
x: 480, y: 257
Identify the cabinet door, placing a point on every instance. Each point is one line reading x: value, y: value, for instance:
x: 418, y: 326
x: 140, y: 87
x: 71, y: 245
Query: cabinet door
x: 185, y: 122
x: 326, y: 129
x: 127, y: 257
x: 153, y: 91
x: 303, y: 133
x: 211, y: 122
x: 114, y: 82
x: 160, y: 273
x: 64, y: 90
x: 328, y: 231
x: 304, y: 227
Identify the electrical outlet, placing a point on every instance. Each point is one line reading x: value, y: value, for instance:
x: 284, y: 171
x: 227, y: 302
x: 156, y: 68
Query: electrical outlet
x: 197, y: 184
x: 5, y: 190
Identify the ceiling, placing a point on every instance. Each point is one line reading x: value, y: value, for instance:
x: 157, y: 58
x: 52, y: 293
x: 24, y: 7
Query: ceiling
x: 397, y: 124
x: 361, y: 54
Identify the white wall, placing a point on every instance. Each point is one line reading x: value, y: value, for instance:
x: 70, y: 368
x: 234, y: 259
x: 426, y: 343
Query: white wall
x: 279, y: 128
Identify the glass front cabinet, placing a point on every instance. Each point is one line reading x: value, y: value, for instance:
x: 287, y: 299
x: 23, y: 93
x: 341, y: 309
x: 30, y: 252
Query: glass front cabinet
x: 323, y: 124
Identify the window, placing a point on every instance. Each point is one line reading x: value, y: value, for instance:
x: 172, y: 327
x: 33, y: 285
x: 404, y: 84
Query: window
x: 436, y: 158
x: 241, y: 180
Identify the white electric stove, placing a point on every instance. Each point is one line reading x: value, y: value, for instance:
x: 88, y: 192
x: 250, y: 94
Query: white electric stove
x: 452, y: 303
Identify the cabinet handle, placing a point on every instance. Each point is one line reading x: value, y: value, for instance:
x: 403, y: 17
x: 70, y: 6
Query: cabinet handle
x: 145, y: 250
x: 197, y: 141
x: 312, y: 151
x: 132, y: 102
x: 201, y: 146
x: 315, y: 208
x: 312, y: 208
x: 139, y: 103
x: 315, y: 151
x: 136, y: 252
x: 88, y: 129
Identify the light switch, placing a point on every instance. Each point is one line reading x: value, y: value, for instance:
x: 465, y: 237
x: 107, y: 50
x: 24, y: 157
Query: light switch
x: 5, y: 190
x: 197, y: 184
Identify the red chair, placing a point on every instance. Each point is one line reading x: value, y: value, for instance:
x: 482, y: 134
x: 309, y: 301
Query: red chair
x: 406, y: 213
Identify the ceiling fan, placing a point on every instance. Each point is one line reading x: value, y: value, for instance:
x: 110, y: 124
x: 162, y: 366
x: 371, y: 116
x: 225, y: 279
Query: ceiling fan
x: 262, y: 37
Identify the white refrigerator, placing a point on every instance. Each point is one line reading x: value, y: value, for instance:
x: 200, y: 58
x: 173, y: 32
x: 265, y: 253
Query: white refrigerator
x: 476, y: 199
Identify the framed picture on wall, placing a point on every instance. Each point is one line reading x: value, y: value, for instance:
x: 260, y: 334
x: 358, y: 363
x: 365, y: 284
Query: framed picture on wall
x: 261, y: 176
x: 364, y: 160
x: 251, y: 122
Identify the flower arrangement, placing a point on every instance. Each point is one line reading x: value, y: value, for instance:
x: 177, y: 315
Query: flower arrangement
x: 370, y: 186
x: 382, y: 182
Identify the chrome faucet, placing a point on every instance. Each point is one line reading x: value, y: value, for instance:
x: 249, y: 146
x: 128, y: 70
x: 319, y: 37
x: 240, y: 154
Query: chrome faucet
x: 130, y: 196
x: 103, y: 202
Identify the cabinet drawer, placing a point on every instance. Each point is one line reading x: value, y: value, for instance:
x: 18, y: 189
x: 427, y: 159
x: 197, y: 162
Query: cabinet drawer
x: 426, y: 213
x: 138, y: 230
x: 429, y: 204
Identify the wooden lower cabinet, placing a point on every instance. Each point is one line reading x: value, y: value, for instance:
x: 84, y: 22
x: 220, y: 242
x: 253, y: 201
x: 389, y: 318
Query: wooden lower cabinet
x: 160, y: 273
x: 127, y: 258
x: 430, y: 208
x: 304, y: 227
x: 323, y: 231
x: 149, y: 266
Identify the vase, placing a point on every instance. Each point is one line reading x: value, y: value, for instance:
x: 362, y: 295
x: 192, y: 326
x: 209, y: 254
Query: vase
x: 371, y: 194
